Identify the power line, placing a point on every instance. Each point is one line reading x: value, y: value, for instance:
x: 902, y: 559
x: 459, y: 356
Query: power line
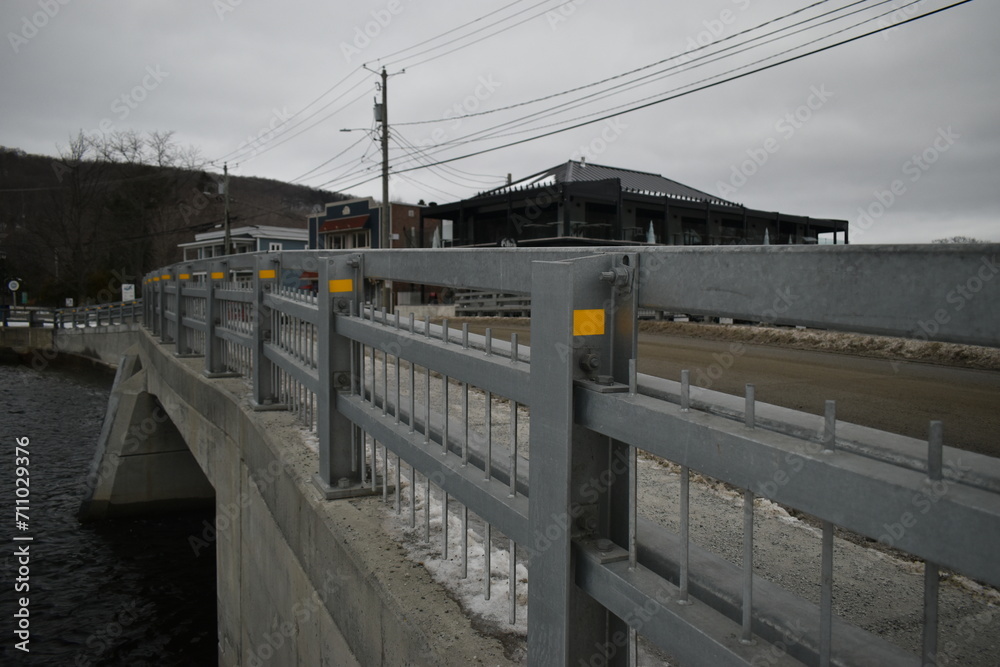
x: 491, y: 133
x: 241, y: 152
x: 616, y: 76
x: 684, y: 93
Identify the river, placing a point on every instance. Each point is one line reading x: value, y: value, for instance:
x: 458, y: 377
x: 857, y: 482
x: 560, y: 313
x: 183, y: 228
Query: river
x: 117, y: 592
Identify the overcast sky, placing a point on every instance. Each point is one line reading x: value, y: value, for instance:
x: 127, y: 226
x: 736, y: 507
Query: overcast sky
x: 903, y: 125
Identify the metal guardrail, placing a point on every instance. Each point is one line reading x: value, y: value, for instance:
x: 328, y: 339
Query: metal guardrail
x: 105, y: 314
x: 599, y: 573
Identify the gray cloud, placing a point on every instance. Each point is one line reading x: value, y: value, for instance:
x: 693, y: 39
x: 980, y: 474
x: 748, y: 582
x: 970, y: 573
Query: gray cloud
x: 233, y: 68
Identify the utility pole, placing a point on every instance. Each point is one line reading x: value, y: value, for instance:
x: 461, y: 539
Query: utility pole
x: 225, y: 193
x: 384, y: 226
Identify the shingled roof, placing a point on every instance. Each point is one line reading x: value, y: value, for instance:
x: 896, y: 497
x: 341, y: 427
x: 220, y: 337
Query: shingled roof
x: 631, y: 181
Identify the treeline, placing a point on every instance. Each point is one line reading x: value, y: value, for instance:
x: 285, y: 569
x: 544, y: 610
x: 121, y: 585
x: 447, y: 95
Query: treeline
x: 111, y: 207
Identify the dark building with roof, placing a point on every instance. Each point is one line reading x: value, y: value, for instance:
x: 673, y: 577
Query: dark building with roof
x: 580, y: 204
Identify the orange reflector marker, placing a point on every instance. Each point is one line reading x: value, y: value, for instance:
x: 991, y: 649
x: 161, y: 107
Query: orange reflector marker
x: 156, y: 280
x: 267, y: 274
x: 342, y: 285
x: 218, y: 275
x: 165, y: 276
x: 588, y: 322
x: 185, y: 276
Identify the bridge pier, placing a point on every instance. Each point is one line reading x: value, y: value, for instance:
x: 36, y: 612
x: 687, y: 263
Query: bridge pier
x: 142, y: 463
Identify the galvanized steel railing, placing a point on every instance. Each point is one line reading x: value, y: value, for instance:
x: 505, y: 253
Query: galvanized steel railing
x: 105, y: 314
x: 300, y: 325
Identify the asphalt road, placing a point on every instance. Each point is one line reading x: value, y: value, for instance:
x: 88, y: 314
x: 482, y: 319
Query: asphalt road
x: 897, y: 396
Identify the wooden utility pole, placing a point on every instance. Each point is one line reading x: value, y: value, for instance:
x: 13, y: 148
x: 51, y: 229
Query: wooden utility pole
x: 227, y: 249
x: 384, y: 225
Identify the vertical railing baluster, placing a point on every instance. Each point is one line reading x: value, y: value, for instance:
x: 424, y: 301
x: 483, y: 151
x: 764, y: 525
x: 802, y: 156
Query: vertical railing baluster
x: 427, y: 509
x: 444, y: 524
x: 935, y: 473
x: 685, y: 390
x: 465, y: 401
x: 399, y: 463
x: 487, y: 539
x: 826, y: 596
x: 685, y: 521
x: 830, y: 427
x: 512, y: 582
x: 374, y: 460
x: 413, y: 496
x: 747, y: 636
x: 512, y: 464
x: 398, y: 362
x: 427, y: 405
x: 465, y: 541
x: 385, y: 474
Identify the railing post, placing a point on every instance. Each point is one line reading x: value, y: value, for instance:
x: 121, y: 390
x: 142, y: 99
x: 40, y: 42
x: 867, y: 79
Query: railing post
x: 339, y: 294
x: 573, y: 318
x: 180, y: 342
x: 213, y: 344
x: 265, y: 276
x: 161, y: 291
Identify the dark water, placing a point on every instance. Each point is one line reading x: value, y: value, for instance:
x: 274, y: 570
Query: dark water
x: 122, y: 592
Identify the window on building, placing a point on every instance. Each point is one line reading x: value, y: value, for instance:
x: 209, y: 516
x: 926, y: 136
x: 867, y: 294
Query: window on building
x: 274, y: 246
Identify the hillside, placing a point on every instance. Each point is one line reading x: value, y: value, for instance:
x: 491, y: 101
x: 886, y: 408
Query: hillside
x: 79, y: 227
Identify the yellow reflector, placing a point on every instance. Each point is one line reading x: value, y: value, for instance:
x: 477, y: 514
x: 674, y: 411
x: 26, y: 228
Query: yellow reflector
x: 266, y: 274
x: 342, y: 285
x: 156, y: 280
x: 165, y: 276
x: 185, y: 276
x: 588, y: 322
x: 218, y: 275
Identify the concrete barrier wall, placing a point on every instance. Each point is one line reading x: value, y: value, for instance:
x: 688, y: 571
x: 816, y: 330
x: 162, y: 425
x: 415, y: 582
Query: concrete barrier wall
x: 105, y: 344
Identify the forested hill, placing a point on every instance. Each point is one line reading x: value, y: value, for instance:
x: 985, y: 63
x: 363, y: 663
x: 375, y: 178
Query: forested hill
x: 79, y: 225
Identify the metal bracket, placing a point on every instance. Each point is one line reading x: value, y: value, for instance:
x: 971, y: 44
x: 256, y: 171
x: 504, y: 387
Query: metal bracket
x: 602, y: 384
x: 603, y: 550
